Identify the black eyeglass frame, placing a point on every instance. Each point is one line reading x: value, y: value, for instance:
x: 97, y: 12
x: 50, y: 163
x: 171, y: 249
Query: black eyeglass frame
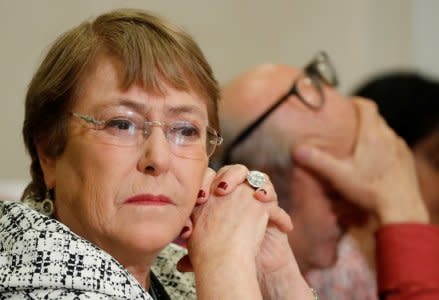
x: 318, y: 70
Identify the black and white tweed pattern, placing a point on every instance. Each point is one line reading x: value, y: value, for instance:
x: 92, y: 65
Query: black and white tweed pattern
x: 178, y: 285
x: 40, y: 258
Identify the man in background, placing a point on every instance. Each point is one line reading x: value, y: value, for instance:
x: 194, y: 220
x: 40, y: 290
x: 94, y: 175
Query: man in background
x: 267, y: 113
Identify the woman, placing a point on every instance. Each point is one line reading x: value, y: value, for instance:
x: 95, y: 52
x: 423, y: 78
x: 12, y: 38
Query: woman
x: 121, y: 118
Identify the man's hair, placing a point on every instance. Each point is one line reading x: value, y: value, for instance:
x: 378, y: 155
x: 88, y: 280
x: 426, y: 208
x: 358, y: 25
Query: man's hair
x: 267, y: 149
x: 408, y: 101
x: 152, y: 53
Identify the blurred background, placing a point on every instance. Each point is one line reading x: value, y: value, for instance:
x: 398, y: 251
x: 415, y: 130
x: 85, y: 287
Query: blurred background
x: 362, y: 37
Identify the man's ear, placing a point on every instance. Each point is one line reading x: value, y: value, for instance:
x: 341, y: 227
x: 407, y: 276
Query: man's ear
x: 48, y: 166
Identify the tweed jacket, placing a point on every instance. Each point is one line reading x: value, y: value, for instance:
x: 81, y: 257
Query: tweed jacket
x: 41, y: 258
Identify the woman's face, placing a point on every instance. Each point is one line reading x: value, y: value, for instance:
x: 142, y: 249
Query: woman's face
x: 426, y: 154
x: 95, y: 181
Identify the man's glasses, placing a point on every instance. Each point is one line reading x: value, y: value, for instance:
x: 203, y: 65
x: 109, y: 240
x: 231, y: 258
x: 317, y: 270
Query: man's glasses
x: 308, y: 89
x: 185, y: 139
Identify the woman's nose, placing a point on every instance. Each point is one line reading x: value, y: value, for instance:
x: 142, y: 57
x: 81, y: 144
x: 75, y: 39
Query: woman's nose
x: 156, y: 153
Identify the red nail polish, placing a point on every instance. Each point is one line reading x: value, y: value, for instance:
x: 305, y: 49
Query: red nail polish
x: 263, y: 191
x: 185, y: 229
x: 201, y: 194
x: 223, y: 185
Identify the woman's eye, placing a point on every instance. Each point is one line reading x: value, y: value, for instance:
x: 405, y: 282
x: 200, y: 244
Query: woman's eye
x: 186, y: 130
x: 121, y: 124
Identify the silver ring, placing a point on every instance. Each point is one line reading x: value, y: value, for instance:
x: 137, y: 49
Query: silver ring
x: 256, y: 179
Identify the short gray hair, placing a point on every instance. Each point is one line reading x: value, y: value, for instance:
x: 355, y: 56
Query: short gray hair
x: 267, y: 149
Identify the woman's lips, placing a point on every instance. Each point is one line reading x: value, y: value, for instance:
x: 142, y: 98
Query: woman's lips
x: 146, y: 199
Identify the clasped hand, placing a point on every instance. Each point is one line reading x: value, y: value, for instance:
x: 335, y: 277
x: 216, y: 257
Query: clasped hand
x: 232, y: 218
x: 235, y: 228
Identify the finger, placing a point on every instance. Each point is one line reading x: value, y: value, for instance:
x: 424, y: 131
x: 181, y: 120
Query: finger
x: 184, y: 264
x: 374, y: 133
x: 335, y: 171
x: 223, y: 169
x: 369, y: 124
x: 280, y: 219
x: 228, y: 179
x: 187, y: 230
x: 266, y: 194
x: 204, y: 191
x: 366, y: 109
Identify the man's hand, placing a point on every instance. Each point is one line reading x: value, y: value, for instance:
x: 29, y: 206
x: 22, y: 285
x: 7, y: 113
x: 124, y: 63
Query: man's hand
x: 380, y: 176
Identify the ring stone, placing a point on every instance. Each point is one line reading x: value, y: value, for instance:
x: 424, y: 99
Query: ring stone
x: 256, y: 179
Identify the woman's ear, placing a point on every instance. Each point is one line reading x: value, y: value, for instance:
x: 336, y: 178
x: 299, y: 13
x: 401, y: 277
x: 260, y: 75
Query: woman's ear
x: 48, y: 166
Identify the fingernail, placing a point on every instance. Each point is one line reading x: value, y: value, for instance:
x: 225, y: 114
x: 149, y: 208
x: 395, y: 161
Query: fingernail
x: 201, y: 194
x: 223, y: 185
x: 185, y: 229
x: 263, y: 191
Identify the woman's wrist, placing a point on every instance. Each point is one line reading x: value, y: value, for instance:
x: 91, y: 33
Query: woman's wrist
x: 227, y: 278
x: 285, y: 283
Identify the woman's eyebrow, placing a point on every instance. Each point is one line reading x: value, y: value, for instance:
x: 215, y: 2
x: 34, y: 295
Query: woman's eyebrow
x: 171, y: 110
x: 133, y: 105
x: 186, y: 109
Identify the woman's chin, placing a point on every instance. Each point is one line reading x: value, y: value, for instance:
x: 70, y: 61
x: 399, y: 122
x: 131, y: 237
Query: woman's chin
x: 152, y: 239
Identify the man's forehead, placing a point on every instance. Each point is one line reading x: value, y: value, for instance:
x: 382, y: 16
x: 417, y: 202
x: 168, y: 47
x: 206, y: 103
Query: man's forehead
x: 253, y: 92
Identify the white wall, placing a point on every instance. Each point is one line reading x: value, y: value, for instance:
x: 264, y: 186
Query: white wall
x: 425, y: 36
x: 362, y: 36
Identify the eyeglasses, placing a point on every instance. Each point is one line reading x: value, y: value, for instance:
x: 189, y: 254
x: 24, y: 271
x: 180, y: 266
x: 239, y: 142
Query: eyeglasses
x: 186, y: 139
x: 308, y: 89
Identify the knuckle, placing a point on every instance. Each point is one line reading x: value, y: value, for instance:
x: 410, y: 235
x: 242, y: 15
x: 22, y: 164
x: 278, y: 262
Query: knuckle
x: 368, y: 105
x: 360, y: 100
x: 372, y: 105
x: 210, y: 172
x: 241, y: 167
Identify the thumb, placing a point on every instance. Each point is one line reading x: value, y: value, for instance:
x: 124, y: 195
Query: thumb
x: 333, y: 170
